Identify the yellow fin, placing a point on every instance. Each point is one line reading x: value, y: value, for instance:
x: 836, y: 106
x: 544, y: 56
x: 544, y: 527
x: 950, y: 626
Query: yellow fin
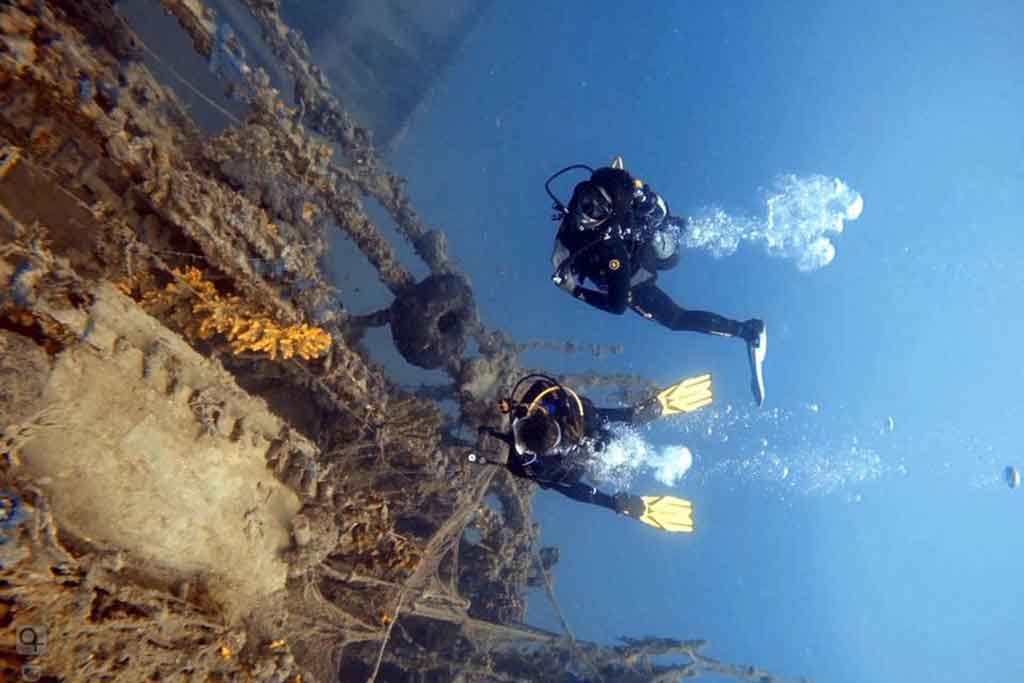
x: 668, y: 513
x: 686, y: 396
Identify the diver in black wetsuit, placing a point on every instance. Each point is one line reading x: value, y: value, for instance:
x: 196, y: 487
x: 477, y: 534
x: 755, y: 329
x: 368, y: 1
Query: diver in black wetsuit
x: 554, y: 432
x: 618, y: 233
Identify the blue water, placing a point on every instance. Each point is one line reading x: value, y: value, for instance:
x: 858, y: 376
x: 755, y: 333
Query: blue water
x: 882, y: 555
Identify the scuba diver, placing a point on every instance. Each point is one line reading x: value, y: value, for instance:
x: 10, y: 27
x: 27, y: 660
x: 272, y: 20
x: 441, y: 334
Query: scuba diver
x: 554, y: 432
x: 619, y: 233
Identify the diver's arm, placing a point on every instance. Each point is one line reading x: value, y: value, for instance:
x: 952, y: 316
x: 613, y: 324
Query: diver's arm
x: 506, y: 437
x: 615, y: 261
x: 564, y: 275
x: 559, y: 255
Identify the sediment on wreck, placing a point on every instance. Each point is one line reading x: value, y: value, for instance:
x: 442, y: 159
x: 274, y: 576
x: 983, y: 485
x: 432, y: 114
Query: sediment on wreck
x: 312, y: 515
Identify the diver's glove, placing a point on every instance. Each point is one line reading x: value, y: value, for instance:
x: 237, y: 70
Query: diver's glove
x: 629, y: 505
x: 566, y: 279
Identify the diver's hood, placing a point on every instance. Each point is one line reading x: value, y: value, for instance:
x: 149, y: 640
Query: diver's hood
x: 594, y: 205
x: 522, y: 449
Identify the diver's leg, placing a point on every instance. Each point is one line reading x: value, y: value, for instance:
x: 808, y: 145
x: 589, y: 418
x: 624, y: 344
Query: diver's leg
x: 606, y: 415
x: 584, y: 494
x: 652, y: 303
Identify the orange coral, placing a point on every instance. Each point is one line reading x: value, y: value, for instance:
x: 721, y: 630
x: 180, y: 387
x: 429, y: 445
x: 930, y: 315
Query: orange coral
x: 244, y: 327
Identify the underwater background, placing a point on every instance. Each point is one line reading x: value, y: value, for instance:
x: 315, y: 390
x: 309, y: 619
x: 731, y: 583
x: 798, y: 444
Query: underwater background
x: 885, y: 554
x: 857, y: 528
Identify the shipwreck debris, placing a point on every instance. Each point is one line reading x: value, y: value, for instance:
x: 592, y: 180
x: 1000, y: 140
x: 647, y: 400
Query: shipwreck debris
x: 431, y: 322
x: 355, y: 517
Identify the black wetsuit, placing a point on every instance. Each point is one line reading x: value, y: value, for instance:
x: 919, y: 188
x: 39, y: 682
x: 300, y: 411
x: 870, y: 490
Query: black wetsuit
x: 562, y: 471
x: 617, y: 256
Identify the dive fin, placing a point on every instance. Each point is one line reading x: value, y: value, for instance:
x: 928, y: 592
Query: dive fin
x: 618, y: 163
x: 668, y: 513
x: 756, y: 350
x: 686, y: 396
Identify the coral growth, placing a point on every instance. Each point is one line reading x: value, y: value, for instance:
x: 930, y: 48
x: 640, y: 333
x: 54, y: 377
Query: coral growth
x: 246, y: 329
x: 369, y: 543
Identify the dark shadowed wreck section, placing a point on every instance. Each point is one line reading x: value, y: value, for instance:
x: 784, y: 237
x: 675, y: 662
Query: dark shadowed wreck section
x: 384, y: 57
